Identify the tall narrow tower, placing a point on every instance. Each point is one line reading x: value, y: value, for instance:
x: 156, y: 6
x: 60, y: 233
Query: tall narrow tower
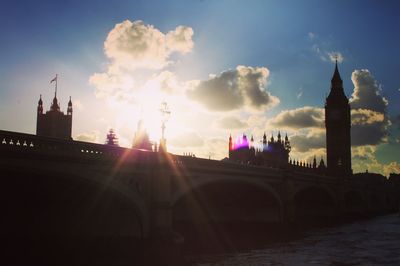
x: 54, y: 123
x: 337, y: 123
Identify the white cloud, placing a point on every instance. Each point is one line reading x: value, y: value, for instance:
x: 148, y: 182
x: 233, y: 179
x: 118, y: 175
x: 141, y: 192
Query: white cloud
x: 304, y: 117
x: 137, y: 50
x: 299, y: 93
x: 314, y: 139
x: 392, y: 167
x: 77, y: 104
x: 137, y: 45
x: 180, y: 39
x: 231, y: 122
x: 333, y: 56
x: 364, y: 158
x: 323, y: 49
x: 244, y: 86
x: 366, y: 116
x: 187, y: 139
x: 115, y: 85
x: 369, y: 118
x: 367, y: 92
x: 92, y: 136
x: 165, y: 81
x: 215, y: 148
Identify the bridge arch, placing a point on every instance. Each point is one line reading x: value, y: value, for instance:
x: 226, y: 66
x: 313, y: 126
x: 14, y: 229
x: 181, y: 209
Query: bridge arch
x: 375, y: 202
x: 320, y: 187
x: 66, y: 203
x: 221, y: 212
x: 184, y: 189
x: 355, y: 202
x: 314, y: 203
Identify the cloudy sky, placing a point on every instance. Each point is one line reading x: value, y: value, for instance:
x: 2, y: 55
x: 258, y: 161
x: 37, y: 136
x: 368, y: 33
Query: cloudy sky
x: 223, y: 67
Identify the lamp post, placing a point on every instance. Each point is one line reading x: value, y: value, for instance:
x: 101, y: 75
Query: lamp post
x: 165, y: 114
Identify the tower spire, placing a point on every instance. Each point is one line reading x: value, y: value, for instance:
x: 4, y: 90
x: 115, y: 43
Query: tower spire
x: 69, y: 109
x: 336, y: 80
x: 40, y: 105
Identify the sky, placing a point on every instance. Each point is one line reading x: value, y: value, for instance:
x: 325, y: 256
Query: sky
x: 223, y: 67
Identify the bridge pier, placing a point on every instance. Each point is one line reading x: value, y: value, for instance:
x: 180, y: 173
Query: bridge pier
x: 162, y: 241
x: 288, y: 208
x: 340, y: 199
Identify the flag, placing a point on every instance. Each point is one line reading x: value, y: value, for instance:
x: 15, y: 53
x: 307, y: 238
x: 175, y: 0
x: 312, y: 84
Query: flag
x: 54, y: 79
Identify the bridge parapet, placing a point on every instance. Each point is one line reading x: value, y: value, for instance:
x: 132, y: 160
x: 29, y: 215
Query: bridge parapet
x: 14, y: 143
x: 206, y: 167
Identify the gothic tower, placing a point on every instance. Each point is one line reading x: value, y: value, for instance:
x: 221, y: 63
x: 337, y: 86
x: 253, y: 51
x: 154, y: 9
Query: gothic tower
x: 54, y: 123
x: 141, y: 139
x: 337, y: 124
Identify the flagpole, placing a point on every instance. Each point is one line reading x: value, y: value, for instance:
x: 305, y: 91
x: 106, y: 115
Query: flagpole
x: 55, y: 95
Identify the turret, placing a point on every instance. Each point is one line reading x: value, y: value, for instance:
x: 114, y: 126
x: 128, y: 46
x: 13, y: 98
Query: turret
x: 40, y: 105
x: 230, y: 142
x: 264, y: 140
x: 69, y: 109
x: 279, y: 136
x: 245, y: 143
x: 288, y: 148
x: 55, y: 106
x: 252, y: 142
x: 321, y: 164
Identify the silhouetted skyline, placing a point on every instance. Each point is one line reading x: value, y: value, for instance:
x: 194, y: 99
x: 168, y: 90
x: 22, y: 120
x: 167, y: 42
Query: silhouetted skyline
x: 269, y: 70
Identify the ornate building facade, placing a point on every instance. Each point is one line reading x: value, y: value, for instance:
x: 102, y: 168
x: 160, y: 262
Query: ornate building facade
x: 54, y: 123
x: 271, y: 152
x: 337, y: 124
x: 141, y: 139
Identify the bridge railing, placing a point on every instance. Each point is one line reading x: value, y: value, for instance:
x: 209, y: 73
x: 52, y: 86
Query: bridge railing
x: 22, y: 143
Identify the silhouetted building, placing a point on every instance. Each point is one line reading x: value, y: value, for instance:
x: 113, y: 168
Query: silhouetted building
x: 54, y: 123
x: 112, y: 139
x: 272, y: 153
x: 141, y: 139
x: 337, y: 123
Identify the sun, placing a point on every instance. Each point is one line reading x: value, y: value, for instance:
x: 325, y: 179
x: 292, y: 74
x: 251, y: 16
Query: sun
x: 146, y: 109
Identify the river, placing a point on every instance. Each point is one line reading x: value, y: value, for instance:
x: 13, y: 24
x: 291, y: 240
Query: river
x: 374, y: 241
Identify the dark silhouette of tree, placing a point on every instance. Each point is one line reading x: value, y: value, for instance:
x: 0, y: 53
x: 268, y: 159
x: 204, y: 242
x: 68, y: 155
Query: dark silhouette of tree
x: 112, y: 138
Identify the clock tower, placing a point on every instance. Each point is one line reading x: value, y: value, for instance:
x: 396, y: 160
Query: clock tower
x: 337, y: 124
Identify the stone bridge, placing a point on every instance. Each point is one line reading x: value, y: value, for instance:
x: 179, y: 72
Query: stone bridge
x: 70, y: 188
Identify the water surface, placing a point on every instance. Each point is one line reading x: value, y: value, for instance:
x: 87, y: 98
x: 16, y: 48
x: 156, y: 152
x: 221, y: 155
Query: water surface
x: 369, y: 242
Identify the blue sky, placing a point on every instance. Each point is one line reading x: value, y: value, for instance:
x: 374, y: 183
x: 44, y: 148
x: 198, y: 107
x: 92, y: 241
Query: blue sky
x: 291, y: 39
